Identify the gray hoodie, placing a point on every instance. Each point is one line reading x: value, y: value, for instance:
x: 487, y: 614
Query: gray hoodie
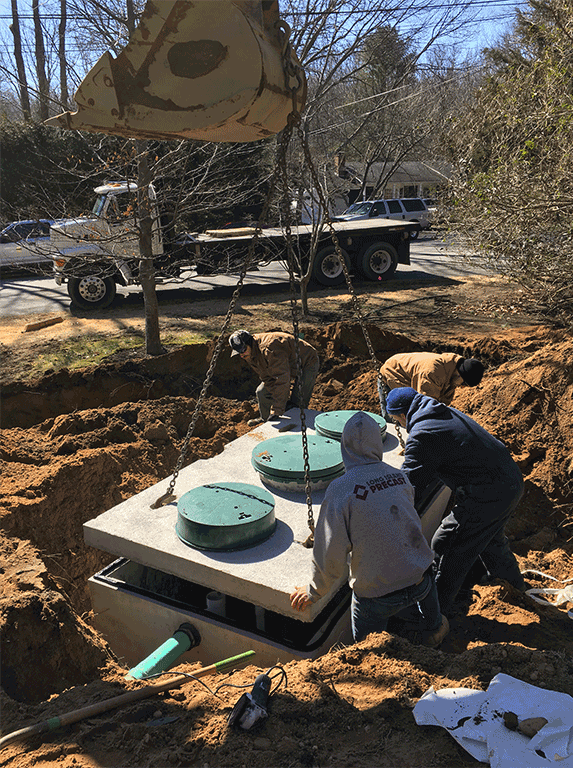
x: 369, y: 512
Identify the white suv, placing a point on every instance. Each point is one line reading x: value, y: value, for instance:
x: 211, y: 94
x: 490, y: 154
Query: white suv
x: 404, y: 209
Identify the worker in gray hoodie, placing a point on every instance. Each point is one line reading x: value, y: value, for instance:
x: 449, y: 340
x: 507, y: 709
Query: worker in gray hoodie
x: 369, y: 512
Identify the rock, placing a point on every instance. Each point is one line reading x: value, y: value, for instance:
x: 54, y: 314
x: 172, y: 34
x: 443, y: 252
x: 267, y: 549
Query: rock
x: 531, y: 726
x: 510, y: 720
x: 287, y: 745
x: 156, y: 432
x: 261, y: 742
x: 333, y: 387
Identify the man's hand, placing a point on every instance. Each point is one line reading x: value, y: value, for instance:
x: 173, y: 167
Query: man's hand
x: 300, y: 599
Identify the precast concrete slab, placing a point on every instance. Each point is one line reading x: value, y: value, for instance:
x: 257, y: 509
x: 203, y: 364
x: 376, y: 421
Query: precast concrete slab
x: 263, y: 575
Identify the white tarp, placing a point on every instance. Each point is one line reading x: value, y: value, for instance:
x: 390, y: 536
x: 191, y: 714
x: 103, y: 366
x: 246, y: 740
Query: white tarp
x: 475, y: 720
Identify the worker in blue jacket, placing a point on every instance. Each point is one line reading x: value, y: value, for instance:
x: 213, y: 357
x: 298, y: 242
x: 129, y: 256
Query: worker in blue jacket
x: 446, y: 444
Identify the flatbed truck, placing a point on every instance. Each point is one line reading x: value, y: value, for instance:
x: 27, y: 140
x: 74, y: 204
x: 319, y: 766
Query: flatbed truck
x: 95, y: 254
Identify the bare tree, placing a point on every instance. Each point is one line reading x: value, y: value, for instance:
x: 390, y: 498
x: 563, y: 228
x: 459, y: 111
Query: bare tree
x: 43, y: 88
x: 63, y: 65
x: 153, y: 344
x: 348, y: 111
x: 21, y: 69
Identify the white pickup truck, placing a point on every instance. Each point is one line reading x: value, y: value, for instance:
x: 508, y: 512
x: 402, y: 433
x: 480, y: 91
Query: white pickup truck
x: 95, y: 254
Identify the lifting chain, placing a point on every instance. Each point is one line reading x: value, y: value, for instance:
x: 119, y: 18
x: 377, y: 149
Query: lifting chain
x: 286, y: 205
x: 354, y: 298
x: 285, y: 139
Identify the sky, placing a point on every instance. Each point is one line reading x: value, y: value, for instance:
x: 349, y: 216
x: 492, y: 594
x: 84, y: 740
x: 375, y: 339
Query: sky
x: 492, y: 19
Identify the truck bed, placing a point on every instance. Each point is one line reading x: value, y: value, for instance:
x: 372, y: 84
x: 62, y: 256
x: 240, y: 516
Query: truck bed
x: 359, y: 228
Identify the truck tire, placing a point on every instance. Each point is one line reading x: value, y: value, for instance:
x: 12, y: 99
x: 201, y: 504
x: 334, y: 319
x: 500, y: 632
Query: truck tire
x: 379, y: 261
x: 91, y: 291
x: 327, y: 268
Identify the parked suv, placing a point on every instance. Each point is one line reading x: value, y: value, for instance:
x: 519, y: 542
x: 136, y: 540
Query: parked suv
x: 404, y: 209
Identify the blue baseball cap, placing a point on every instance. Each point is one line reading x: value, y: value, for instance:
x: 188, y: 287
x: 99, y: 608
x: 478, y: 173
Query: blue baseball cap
x: 400, y: 399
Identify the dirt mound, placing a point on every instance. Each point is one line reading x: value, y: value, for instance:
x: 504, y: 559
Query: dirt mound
x: 77, y: 444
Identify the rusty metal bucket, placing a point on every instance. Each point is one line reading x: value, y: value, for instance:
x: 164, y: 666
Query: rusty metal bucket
x: 216, y: 70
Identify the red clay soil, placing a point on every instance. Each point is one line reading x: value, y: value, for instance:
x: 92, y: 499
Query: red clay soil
x: 75, y: 445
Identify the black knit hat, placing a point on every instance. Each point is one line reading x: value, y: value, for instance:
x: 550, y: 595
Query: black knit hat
x: 239, y: 342
x: 471, y: 371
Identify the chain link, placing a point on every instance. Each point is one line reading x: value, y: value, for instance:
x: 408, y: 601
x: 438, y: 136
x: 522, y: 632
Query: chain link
x: 335, y: 241
x: 285, y: 139
x: 337, y: 248
x: 286, y: 201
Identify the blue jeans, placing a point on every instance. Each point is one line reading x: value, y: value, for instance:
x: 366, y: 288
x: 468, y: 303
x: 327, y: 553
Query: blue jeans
x: 474, y: 528
x: 371, y: 614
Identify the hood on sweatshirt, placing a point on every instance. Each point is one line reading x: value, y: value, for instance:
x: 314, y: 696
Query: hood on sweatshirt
x: 361, y: 441
x: 424, y: 407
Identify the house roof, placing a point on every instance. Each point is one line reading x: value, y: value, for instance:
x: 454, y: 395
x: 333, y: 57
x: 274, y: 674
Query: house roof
x: 410, y: 171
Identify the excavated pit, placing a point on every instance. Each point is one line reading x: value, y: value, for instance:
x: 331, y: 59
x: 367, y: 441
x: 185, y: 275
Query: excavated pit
x: 76, y: 444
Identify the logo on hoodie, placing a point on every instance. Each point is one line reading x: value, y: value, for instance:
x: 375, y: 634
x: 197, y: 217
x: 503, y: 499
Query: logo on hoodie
x: 360, y: 492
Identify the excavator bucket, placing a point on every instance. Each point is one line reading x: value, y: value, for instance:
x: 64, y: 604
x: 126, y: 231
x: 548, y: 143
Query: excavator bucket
x: 215, y: 70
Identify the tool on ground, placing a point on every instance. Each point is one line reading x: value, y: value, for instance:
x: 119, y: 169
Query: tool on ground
x: 252, y: 707
x: 126, y: 698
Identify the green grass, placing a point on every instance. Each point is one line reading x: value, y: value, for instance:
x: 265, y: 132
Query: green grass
x: 187, y: 338
x: 91, y: 349
x: 83, y: 351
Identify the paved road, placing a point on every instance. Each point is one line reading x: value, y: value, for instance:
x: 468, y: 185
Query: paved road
x: 27, y: 294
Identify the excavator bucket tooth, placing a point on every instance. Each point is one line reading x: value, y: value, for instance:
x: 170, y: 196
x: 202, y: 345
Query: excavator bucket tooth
x: 214, y: 70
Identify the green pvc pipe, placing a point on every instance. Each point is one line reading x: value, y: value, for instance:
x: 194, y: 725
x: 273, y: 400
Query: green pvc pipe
x: 162, y: 658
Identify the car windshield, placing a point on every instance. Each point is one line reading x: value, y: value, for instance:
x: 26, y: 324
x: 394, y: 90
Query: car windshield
x: 358, y: 208
x: 99, y: 205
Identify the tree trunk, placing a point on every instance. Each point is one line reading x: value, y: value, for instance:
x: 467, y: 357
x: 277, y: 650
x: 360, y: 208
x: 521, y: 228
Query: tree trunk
x: 145, y: 211
x: 40, y: 62
x: 304, y: 296
x: 20, y: 68
x: 64, y: 95
x: 153, y: 344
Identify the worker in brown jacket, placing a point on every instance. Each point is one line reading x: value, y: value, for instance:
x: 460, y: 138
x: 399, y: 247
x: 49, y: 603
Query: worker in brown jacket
x: 273, y: 357
x: 430, y: 374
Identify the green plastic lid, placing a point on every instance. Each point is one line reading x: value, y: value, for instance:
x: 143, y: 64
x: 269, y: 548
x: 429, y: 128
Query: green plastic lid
x: 281, y: 458
x: 332, y: 423
x: 225, y: 516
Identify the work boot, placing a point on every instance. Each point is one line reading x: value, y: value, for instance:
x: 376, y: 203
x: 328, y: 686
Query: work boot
x: 254, y: 422
x: 435, y: 638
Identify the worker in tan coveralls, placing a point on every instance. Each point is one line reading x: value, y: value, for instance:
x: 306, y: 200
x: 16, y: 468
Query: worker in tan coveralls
x: 430, y: 374
x: 273, y: 357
